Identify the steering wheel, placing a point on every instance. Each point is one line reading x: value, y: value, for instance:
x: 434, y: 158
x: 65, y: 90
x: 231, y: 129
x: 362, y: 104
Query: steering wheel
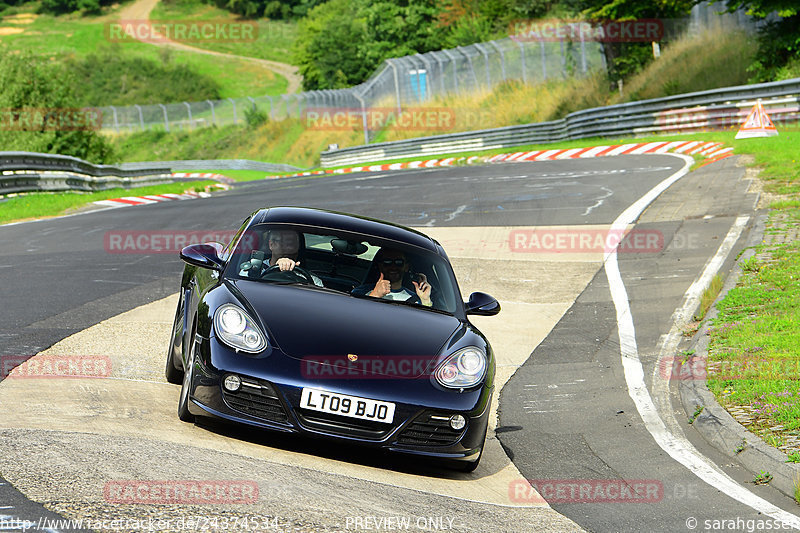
x: 297, y: 274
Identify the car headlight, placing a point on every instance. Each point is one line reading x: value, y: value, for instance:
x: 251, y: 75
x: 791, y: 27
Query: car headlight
x: 235, y: 327
x: 462, y: 369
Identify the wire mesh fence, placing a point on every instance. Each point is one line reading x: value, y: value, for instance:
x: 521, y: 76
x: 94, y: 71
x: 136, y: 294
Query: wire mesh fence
x: 414, y: 80
x: 398, y: 82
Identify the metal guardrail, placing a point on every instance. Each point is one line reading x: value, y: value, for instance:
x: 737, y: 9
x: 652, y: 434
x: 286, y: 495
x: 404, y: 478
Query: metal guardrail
x: 706, y: 110
x: 213, y: 164
x: 30, y: 171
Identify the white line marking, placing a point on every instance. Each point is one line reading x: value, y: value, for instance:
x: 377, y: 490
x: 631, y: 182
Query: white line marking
x: 455, y: 213
x: 599, y: 202
x: 679, y: 448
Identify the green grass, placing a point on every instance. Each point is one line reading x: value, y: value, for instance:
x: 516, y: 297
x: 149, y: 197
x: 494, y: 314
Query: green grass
x: 755, y: 339
x: 274, y: 39
x: 71, y: 35
x: 709, y: 295
x: 271, y: 143
x: 40, y: 205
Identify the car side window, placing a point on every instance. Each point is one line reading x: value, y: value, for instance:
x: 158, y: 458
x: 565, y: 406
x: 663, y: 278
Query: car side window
x: 228, y: 250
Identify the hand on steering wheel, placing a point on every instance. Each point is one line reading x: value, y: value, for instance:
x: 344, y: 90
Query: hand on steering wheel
x: 296, y: 274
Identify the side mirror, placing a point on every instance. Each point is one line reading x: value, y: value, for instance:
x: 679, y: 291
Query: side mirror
x: 204, y: 255
x: 481, y: 303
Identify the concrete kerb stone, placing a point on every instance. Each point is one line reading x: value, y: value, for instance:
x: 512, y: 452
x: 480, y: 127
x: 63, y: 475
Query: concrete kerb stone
x: 714, y: 423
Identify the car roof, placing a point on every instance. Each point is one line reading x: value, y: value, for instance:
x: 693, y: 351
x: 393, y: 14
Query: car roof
x: 307, y: 216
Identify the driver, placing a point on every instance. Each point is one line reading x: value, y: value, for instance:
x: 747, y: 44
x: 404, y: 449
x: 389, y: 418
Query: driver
x: 284, y: 247
x: 393, y: 267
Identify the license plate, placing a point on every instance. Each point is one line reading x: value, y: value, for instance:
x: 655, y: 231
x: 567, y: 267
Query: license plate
x: 345, y: 405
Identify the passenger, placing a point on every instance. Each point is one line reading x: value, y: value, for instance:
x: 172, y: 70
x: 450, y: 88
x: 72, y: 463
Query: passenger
x: 393, y: 281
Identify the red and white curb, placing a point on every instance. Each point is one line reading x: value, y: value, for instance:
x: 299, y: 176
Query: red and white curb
x: 127, y: 201
x: 205, y: 175
x: 712, y: 151
x: 430, y: 163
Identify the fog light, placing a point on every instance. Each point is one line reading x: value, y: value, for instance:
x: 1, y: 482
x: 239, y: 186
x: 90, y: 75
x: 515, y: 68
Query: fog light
x: 232, y: 383
x: 457, y: 422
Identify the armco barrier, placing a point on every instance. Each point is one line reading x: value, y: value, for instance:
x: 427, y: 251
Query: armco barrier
x: 214, y: 164
x: 30, y: 171
x: 707, y: 110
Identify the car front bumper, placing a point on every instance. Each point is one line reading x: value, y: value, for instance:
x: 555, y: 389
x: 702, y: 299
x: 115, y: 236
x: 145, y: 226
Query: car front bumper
x: 269, y: 398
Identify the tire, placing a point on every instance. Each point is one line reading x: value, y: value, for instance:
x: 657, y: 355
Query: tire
x: 183, y: 401
x: 174, y: 375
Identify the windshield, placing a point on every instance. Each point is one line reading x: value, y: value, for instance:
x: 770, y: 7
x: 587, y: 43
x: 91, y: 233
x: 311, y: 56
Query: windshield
x: 356, y: 264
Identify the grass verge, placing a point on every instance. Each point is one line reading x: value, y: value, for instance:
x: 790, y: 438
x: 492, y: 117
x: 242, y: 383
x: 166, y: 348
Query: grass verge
x: 238, y: 175
x: 754, y: 348
x: 274, y: 38
x: 42, y: 204
x: 75, y: 36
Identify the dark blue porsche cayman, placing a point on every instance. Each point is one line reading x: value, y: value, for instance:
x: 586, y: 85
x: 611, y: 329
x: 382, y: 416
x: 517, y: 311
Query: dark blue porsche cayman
x: 336, y: 326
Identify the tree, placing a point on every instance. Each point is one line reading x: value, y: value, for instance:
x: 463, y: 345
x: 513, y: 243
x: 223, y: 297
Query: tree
x: 626, y: 58
x: 778, y: 40
x: 340, y: 43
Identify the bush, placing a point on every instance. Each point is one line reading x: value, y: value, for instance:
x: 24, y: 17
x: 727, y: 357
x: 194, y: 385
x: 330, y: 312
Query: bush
x: 255, y: 117
x: 109, y: 78
x: 34, y: 88
x: 59, y: 7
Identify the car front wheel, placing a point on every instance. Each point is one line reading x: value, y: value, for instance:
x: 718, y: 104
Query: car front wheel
x: 183, y: 402
x: 173, y: 374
